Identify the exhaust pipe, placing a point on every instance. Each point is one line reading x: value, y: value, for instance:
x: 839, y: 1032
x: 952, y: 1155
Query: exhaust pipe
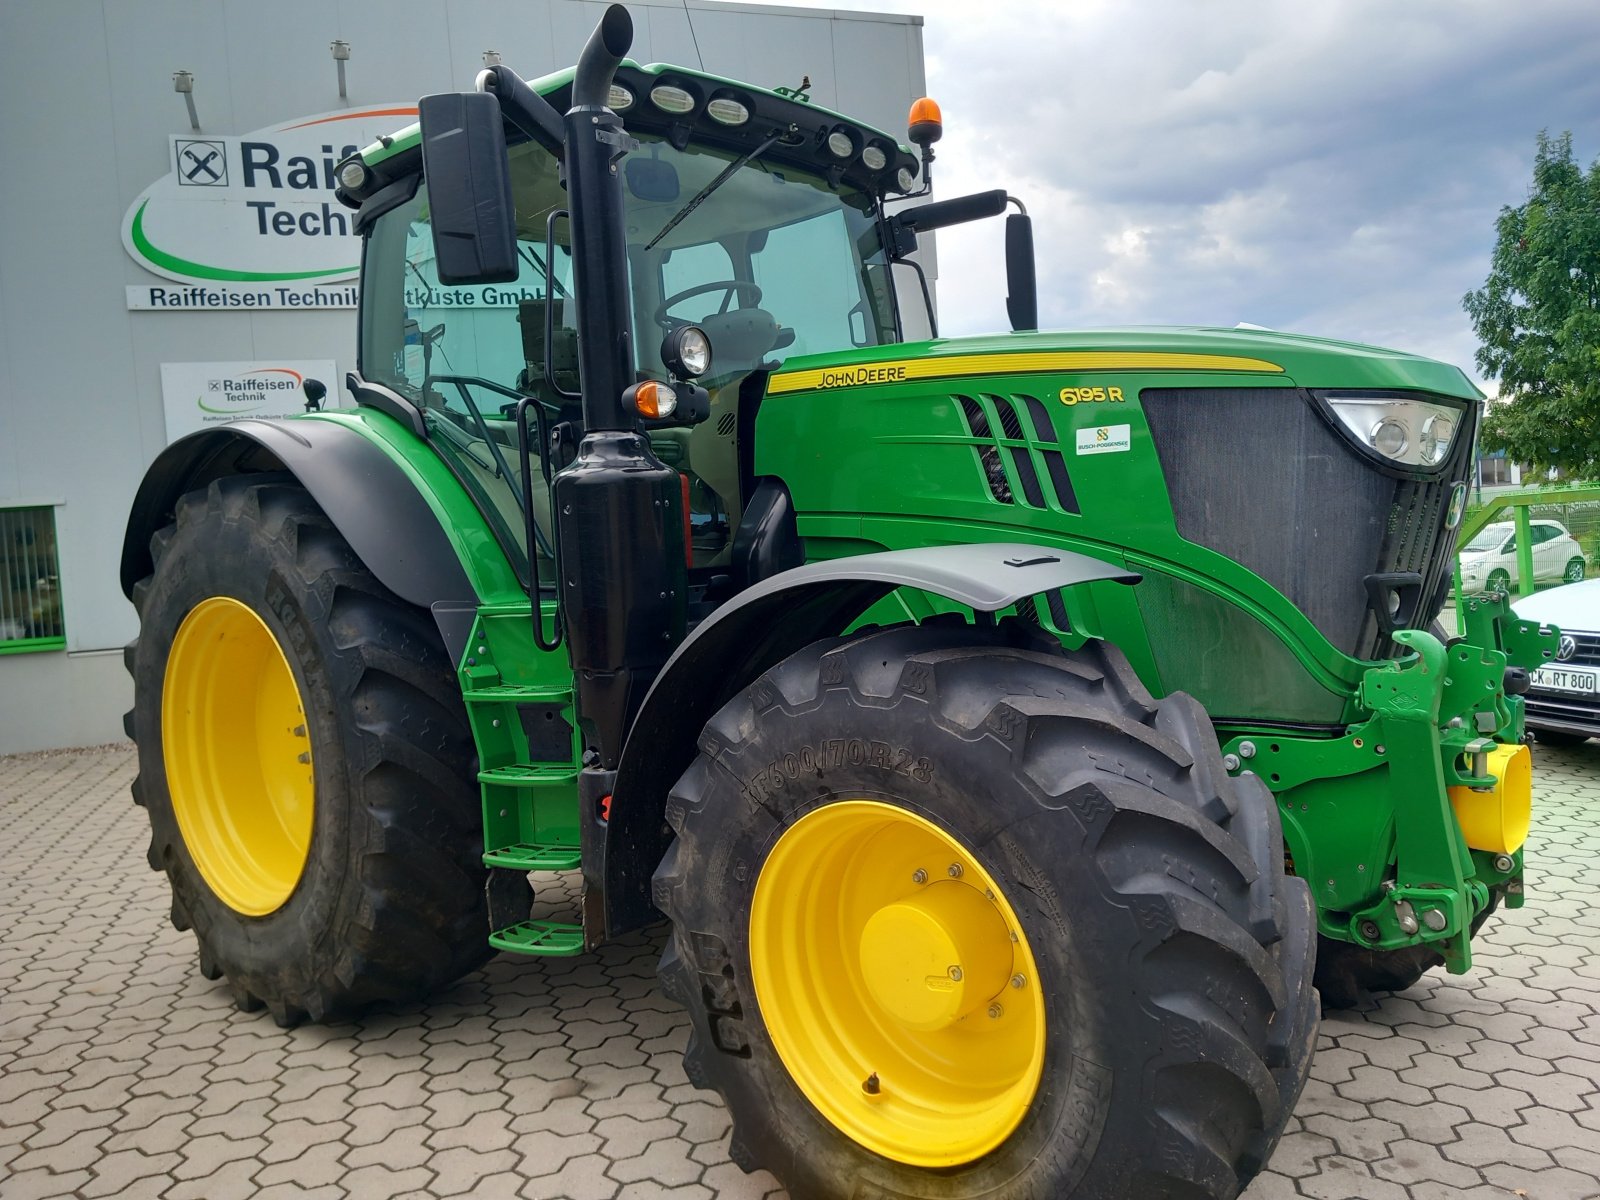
x: 607, y: 46
x: 619, y: 510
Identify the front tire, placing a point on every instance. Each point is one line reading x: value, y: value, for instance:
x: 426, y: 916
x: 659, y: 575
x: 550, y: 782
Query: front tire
x: 315, y: 815
x: 1159, y: 945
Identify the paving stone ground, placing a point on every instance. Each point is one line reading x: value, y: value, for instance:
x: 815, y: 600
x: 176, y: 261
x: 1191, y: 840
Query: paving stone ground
x: 124, y: 1073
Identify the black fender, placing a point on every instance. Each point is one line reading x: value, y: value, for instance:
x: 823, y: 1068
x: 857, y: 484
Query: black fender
x: 754, y: 631
x: 380, y: 512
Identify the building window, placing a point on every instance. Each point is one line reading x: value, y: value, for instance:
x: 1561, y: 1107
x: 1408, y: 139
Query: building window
x: 30, y: 582
x: 1494, y: 470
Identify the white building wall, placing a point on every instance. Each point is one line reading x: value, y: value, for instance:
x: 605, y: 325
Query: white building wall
x: 86, y: 110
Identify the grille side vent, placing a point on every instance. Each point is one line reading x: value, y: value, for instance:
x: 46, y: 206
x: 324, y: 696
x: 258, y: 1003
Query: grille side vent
x: 1014, y: 441
x: 988, y: 456
x: 1043, y: 429
x: 1044, y: 432
x: 1009, y: 421
x: 1060, y: 480
x: 1413, y: 523
x: 725, y: 424
x: 977, y: 419
x: 1021, y: 459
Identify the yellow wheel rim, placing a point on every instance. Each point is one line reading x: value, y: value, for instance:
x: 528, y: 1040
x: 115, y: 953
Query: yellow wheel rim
x: 238, y: 756
x: 897, y: 984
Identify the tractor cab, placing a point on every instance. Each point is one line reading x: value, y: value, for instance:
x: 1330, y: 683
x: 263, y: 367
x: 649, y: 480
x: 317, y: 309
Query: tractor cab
x: 753, y: 218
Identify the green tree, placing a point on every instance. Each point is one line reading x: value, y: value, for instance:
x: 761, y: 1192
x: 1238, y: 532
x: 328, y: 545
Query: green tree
x: 1537, y: 317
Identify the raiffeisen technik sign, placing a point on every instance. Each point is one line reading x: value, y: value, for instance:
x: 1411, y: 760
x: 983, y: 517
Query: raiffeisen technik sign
x: 251, y: 221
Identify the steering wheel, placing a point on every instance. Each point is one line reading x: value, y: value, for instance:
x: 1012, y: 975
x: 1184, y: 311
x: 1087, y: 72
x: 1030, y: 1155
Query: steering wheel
x: 730, y: 288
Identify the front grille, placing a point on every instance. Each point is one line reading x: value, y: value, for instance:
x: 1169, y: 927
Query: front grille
x: 1587, y: 653
x: 1013, y: 445
x: 1256, y: 474
x: 1564, y: 709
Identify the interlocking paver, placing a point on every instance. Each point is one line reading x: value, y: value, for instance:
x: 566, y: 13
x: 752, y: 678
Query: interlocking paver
x: 315, y: 1166
x: 123, y: 1072
x: 115, y: 1174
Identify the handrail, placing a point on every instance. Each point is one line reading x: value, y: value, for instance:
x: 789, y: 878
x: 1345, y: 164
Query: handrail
x: 1519, y: 502
x: 1560, y: 494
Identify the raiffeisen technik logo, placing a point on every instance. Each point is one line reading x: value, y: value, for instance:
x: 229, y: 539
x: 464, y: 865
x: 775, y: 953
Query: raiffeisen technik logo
x: 256, y: 209
x: 251, y: 391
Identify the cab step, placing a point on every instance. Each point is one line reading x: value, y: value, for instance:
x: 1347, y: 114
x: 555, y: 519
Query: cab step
x: 542, y: 939
x: 528, y: 856
x: 503, y: 693
x: 531, y: 775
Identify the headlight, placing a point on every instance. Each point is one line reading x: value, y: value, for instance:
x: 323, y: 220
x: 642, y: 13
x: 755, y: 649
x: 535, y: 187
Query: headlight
x: 671, y: 99
x: 1413, y: 433
x: 726, y: 111
x: 352, y: 175
x: 686, y: 351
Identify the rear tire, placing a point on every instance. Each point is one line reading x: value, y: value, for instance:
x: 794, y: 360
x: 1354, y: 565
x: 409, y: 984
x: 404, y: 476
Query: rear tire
x: 1173, y: 954
x: 390, y: 901
x: 1574, y: 571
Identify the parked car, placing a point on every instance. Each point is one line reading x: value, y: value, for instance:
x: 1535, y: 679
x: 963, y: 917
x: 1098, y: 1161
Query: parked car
x: 1564, y: 702
x: 1489, y: 561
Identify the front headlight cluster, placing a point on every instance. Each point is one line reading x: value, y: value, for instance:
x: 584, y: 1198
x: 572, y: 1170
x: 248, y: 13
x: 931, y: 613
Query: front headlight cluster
x: 1413, y: 433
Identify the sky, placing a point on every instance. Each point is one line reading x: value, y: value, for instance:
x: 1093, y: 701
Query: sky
x: 1331, y: 167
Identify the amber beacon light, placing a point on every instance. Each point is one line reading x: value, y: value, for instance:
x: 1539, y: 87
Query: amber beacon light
x: 926, y: 123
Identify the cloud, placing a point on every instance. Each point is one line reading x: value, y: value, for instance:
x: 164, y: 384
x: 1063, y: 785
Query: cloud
x: 1330, y: 168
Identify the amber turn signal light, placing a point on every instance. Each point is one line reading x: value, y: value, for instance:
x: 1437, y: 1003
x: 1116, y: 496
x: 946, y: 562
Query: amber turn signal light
x: 652, y: 400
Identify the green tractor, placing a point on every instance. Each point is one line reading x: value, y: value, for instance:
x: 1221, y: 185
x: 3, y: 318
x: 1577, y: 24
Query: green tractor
x: 1017, y: 731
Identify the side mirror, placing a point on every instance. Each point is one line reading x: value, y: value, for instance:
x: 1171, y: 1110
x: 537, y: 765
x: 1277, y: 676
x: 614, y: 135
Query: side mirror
x: 1022, y: 284
x: 469, y: 188
x: 315, y: 391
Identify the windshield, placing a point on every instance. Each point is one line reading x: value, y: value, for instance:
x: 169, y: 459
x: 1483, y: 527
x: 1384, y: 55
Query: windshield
x: 773, y: 262
x: 1489, y: 538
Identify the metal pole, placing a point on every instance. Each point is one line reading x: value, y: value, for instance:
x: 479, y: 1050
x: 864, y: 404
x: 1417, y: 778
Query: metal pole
x: 1524, y: 552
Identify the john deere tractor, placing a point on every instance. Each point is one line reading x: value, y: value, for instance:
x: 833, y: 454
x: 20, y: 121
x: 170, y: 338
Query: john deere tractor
x: 1016, y: 731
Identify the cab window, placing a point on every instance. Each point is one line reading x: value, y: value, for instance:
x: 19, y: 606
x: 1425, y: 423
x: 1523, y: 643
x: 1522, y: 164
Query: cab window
x: 464, y: 355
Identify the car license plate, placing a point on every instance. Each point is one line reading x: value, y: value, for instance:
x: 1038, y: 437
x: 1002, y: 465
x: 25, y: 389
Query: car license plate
x: 1564, y: 679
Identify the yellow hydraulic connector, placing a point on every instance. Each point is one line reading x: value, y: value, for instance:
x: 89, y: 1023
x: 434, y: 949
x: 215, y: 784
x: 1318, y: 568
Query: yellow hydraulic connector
x: 1497, y: 819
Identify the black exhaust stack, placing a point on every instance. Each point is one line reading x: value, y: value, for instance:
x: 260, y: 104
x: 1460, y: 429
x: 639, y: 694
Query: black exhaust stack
x: 619, y: 510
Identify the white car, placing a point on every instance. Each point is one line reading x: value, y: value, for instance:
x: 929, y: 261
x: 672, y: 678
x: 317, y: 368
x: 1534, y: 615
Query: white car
x: 1489, y: 560
x: 1563, y: 704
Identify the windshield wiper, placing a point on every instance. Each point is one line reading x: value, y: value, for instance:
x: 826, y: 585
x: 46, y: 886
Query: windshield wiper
x: 722, y: 178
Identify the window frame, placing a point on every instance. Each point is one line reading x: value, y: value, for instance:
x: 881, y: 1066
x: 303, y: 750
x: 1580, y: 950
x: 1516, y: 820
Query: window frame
x: 37, y: 645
